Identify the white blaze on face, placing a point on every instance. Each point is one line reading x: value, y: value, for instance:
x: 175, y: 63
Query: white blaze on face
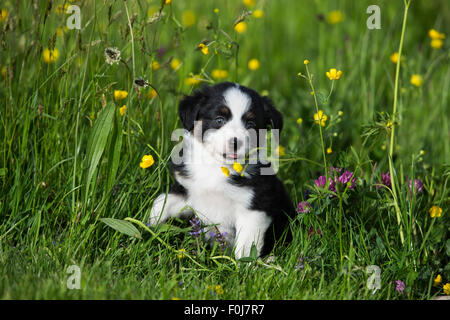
x: 220, y: 140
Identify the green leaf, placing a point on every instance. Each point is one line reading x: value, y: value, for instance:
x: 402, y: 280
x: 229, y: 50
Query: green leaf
x: 115, y: 147
x: 447, y: 247
x: 122, y: 226
x: 97, y: 141
x: 3, y: 171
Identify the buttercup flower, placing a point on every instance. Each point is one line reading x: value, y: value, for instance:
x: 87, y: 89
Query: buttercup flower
x: 147, y: 161
x: 203, y: 48
x: 334, y: 74
x: 237, y: 167
x: 394, y: 57
x: 219, y: 74
x: 175, y: 63
x: 249, y: 3
x: 435, y: 212
x: 436, y: 43
x: 446, y: 288
x: 433, y: 34
x: 416, y: 80
x: 299, y: 120
x: 306, y: 61
x: 192, y: 81
x: 188, y: 18
x: 50, y: 55
x: 120, y: 94
x: 225, y: 171
x: 258, y: 14
x: 437, y: 281
x: 320, y: 118
x: 335, y: 16
x: 218, y: 289
x: 329, y: 150
x: 3, y: 14
x: 122, y: 110
x: 253, y: 64
x: 240, y: 27
x: 181, y: 253
x: 155, y: 65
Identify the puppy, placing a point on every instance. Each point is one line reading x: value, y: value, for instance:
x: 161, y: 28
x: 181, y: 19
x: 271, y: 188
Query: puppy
x: 226, y: 124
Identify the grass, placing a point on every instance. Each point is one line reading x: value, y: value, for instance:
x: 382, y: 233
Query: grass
x: 69, y: 159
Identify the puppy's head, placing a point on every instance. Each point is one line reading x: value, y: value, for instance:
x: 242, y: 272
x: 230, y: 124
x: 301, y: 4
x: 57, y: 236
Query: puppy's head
x: 227, y: 119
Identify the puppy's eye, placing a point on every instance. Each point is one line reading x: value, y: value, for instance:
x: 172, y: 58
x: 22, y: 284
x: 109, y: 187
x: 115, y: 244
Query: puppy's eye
x: 220, y: 121
x: 250, y: 125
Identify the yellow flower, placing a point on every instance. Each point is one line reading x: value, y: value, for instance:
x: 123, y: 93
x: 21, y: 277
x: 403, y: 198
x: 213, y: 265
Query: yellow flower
x: 306, y: 61
x: 237, y: 167
x: 422, y: 152
x: 3, y: 14
x: 188, y: 18
x: 253, y: 64
x: 433, y: 34
x: 216, y: 10
x: 50, y: 56
x: 151, y: 94
x: 203, y: 48
x: 447, y: 288
x: 225, y: 171
x: 219, y: 74
x: 240, y: 27
x: 168, y: 1
x: 175, y: 298
x: 192, y: 81
x: 181, y: 253
x: 389, y: 124
x: 299, y: 120
x: 219, y: 289
x: 320, y: 118
x: 329, y: 150
x: 416, y: 80
x: 249, y: 3
x: 280, y: 151
x: 436, y: 43
x: 394, y: 57
x: 122, y: 110
x: 340, y: 113
x: 335, y: 17
x: 147, y: 161
x: 258, y: 14
x: 155, y: 65
x: 334, y: 74
x: 120, y: 94
x: 435, y: 212
x: 437, y: 281
x: 175, y: 63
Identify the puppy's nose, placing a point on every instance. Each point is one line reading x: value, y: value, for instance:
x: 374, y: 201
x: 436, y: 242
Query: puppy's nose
x: 235, y: 143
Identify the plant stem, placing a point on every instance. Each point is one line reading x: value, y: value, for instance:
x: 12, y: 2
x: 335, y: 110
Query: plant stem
x: 320, y: 121
x: 394, y: 113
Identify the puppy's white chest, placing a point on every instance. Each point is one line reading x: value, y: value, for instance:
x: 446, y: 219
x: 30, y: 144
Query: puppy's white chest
x: 213, y: 198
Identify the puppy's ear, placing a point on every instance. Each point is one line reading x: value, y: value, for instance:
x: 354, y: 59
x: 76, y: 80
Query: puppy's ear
x: 272, y: 115
x: 189, y: 108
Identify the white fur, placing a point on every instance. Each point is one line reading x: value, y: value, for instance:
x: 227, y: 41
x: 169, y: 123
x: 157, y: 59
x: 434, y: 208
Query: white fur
x: 214, y: 200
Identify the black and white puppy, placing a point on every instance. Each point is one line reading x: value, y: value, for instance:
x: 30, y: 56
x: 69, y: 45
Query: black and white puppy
x: 222, y: 126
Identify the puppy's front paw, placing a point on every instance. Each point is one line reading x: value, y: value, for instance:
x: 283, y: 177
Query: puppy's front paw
x: 157, y: 214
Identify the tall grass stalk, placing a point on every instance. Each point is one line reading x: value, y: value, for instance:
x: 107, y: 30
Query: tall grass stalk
x: 394, y: 113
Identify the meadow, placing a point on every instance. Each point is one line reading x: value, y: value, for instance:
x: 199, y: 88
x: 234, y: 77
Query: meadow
x: 88, y: 101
